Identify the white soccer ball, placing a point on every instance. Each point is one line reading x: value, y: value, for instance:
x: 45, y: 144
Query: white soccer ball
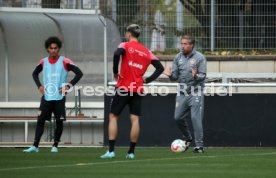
x: 178, y: 146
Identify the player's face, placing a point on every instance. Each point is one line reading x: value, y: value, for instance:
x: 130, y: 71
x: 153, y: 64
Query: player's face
x: 53, y: 50
x: 186, y: 46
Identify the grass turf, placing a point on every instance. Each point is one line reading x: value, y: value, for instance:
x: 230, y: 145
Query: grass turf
x: 149, y: 162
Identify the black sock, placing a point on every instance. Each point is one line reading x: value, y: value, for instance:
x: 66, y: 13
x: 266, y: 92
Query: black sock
x: 36, y: 143
x: 55, y: 144
x: 132, y: 147
x: 111, y: 145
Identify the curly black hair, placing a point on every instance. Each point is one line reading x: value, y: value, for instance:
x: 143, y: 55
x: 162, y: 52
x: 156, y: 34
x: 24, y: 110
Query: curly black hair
x: 52, y: 39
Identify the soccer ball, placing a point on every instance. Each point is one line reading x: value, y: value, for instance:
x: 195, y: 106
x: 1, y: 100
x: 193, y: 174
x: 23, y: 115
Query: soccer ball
x: 178, y: 146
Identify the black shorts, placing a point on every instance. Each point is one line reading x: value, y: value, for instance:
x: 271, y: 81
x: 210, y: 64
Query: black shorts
x: 48, y: 107
x: 132, y: 99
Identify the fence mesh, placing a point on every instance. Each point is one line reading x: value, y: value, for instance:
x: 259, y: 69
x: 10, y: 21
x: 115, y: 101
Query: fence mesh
x: 216, y: 24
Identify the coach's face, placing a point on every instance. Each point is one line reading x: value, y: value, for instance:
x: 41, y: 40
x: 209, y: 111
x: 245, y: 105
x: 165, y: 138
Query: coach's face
x: 186, y: 46
x: 53, y: 50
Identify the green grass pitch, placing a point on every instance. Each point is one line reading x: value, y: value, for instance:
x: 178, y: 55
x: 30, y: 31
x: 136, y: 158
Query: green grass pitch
x: 149, y: 162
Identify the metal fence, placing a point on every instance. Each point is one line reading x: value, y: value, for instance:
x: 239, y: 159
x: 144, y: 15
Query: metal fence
x: 58, y: 4
x: 216, y: 24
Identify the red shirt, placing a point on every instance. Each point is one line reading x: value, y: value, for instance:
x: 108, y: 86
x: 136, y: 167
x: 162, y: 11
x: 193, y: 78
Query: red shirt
x: 53, y: 61
x: 134, y: 64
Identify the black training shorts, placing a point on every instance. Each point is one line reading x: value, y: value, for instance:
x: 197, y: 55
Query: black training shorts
x: 48, y: 107
x: 122, y: 98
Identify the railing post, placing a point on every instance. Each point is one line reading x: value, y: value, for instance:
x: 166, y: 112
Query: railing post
x: 79, y: 107
x: 212, y: 25
x: 6, y: 79
x: 76, y: 103
x: 24, y: 3
x: 105, y: 55
x: 241, y: 27
x: 114, y: 10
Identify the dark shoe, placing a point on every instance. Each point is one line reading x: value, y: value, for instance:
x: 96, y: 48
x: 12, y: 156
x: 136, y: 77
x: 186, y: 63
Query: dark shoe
x: 198, y: 150
x: 188, y: 143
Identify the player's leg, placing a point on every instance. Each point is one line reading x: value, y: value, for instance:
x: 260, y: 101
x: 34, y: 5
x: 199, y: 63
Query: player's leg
x: 181, y: 116
x: 134, y: 135
x: 118, y: 102
x: 117, y: 105
x: 135, y: 112
x: 44, y: 113
x: 197, y: 104
x: 60, y: 115
x: 135, y: 129
x: 112, y: 130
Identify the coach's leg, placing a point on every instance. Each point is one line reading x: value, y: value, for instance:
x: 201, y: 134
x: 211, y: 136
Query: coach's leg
x: 197, y: 103
x: 181, y: 116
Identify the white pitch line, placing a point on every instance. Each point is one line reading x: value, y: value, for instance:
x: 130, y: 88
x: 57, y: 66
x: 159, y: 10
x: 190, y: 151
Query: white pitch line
x: 132, y: 161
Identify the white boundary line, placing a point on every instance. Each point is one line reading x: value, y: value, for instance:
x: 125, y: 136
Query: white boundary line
x: 27, y: 105
x: 132, y: 161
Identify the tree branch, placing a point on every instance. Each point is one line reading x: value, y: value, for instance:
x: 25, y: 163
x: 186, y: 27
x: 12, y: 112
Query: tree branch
x: 189, y: 5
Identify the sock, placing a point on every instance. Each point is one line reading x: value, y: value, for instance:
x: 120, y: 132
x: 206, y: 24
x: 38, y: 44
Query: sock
x: 132, y: 147
x: 111, y: 145
x: 55, y: 144
x: 36, y: 143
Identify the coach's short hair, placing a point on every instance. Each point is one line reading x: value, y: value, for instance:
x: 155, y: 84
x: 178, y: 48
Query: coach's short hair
x: 134, y: 29
x: 191, y: 39
x: 53, y: 39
